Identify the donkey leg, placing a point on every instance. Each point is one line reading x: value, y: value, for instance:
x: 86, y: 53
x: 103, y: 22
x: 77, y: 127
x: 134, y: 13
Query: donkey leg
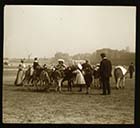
x: 56, y: 85
x: 69, y: 84
x: 98, y: 84
x: 118, y: 83
x: 88, y: 89
x: 123, y: 82
x: 95, y: 83
x: 59, y: 85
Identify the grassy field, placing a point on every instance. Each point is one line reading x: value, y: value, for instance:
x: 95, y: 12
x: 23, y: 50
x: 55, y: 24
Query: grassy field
x: 23, y: 106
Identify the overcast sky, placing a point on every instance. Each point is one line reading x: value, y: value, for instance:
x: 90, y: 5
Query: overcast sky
x: 45, y: 30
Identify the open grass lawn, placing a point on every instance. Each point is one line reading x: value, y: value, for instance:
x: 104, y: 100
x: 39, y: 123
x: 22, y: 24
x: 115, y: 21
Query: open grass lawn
x: 23, y: 106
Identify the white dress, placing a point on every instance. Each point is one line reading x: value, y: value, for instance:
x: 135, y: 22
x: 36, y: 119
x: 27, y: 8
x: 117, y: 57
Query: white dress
x: 79, y: 77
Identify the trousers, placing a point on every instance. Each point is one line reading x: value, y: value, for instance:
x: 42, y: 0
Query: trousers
x: 106, y: 85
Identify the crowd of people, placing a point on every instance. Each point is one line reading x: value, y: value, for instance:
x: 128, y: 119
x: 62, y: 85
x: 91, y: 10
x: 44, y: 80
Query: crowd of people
x: 105, y: 72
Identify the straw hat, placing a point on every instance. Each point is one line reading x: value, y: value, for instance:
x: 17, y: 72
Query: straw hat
x: 60, y: 60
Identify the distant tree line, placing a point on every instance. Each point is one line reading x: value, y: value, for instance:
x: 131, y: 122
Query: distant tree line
x: 118, y: 57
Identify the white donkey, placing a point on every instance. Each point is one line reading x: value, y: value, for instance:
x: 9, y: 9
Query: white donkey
x: 119, y: 75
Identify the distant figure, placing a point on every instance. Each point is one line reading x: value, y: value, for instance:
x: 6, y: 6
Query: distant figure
x: 44, y: 66
x: 79, y: 77
x: 105, y: 73
x: 35, y: 63
x: 37, y: 69
x: 131, y: 70
x: 20, y: 74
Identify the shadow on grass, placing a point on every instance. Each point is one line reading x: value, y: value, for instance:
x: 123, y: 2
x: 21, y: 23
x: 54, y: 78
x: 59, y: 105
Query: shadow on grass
x: 50, y: 91
x: 75, y: 91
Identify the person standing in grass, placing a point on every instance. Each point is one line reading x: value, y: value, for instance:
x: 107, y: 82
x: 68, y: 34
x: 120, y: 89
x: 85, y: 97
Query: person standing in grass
x: 131, y: 70
x: 105, y: 73
x: 80, y: 81
x: 20, y: 74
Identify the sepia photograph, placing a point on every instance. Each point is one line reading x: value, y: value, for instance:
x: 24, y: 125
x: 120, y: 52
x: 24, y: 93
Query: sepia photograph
x: 69, y: 64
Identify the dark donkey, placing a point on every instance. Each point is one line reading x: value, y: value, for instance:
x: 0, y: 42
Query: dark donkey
x: 96, y: 74
x: 88, y: 73
x: 69, y: 76
x: 38, y: 78
x: 58, y: 77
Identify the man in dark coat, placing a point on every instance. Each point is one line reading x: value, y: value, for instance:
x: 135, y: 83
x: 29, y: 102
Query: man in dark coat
x: 105, y: 73
x: 131, y: 70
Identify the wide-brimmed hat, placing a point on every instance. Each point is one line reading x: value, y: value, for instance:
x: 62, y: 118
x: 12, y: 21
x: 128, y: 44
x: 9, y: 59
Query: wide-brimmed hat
x: 60, y: 60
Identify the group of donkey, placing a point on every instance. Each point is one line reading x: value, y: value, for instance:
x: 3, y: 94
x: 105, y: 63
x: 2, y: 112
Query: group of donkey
x: 47, y: 77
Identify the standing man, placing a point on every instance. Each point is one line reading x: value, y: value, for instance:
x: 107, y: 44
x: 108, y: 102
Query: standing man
x: 105, y: 73
x: 131, y: 70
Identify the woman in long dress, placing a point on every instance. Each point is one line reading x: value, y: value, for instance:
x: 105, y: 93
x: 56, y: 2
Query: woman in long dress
x: 20, y: 74
x: 79, y: 77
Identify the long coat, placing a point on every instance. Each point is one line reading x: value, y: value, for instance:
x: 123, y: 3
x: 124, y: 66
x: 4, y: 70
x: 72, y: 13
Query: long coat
x: 105, y: 68
x: 20, y: 74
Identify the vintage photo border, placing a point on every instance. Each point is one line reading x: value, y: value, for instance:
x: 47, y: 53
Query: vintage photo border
x: 135, y: 3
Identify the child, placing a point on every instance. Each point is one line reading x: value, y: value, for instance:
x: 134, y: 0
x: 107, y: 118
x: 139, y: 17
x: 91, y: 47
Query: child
x: 79, y: 77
